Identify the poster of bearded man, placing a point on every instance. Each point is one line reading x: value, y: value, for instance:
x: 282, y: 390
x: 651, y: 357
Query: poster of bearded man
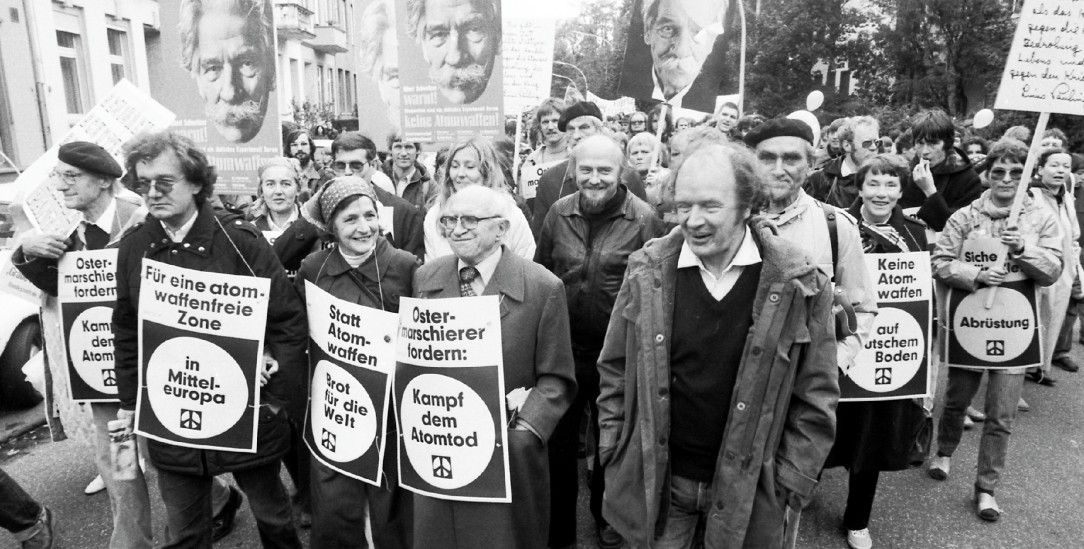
x: 450, y: 69
x: 217, y: 74
x: 682, y: 52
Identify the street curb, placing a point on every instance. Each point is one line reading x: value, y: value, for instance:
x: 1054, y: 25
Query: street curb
x: 21, y: 430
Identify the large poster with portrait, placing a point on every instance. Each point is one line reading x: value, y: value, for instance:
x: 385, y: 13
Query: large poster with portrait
x: 450, y: 69
x: 378, y: 69
x: 216, y: 70
x: 683, y: 52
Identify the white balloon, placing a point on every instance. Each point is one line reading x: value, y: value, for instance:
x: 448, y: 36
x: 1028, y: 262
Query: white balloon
x: 811, y: 121
x: 814, y: 100
x: 982, y: 119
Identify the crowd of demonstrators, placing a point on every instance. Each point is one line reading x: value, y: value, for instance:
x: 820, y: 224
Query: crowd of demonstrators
x: 686, y: 292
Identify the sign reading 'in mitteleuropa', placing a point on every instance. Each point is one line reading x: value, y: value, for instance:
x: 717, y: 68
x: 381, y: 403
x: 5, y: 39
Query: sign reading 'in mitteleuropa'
x: 894, y: 364
x: 200, y: 350
x: 449, y: 394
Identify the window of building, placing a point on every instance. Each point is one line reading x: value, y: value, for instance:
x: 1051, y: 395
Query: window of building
x: 119, y: 56
x: 73, y: 71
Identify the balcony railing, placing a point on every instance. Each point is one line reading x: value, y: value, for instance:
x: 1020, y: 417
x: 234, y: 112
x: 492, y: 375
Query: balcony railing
x: 294, y: 21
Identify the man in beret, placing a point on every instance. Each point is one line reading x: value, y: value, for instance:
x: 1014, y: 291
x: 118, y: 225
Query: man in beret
x: 87, y: 175
x: 784, y: 148
x: 577, y: 122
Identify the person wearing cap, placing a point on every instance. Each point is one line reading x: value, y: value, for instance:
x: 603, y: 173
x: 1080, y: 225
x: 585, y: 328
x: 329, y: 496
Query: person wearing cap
x: 87, y: 177
x: 578, y: 121
x: 362, y: 268
x: 183, y: 229
x: 784, y: 148
x: 717, y: 380
x: 537, y: 355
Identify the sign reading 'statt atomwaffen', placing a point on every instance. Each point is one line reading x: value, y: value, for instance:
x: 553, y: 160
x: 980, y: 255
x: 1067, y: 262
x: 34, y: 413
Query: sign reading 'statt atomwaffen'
x: 449, y: 396
x: 87, y: 293
x: 352, y: 358
x: 200, y: 352
x: 894, y: 364
x: 1005, y: 335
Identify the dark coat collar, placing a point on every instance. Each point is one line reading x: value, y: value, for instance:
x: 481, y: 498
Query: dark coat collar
x: 508, y: 279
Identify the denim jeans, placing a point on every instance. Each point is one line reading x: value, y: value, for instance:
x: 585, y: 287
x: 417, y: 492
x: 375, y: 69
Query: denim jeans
x: 1065, y: 338
x: 1002, y: 395
x: 189, y: 515
x: 128, y: 499
x: 18, y: 511
x: 690, y: 503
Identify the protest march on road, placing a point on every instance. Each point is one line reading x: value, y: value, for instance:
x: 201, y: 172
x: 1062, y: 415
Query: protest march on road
x: 494, y: 272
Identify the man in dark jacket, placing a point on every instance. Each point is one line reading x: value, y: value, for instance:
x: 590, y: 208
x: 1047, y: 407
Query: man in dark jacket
x: 718, y: 374
x: 586, y: 241
x: 942, y: 179
x: 834, y: 183
x: 183, y: 230
x: 580, y: 120
x: 410, y: 178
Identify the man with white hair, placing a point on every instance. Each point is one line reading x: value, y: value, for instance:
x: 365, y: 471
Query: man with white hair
x: 460, y: 40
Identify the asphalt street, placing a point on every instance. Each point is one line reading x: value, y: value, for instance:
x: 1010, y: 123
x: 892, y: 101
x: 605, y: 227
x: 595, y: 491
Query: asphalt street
x: 1042, y: 492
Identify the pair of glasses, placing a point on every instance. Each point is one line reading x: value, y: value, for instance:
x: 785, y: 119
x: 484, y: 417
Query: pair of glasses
x: 469, y: 222
x: 68, y: 177
x: 355, y: 166
x: 869, y: 144
x: 997, y: 174
x: 163, y: 185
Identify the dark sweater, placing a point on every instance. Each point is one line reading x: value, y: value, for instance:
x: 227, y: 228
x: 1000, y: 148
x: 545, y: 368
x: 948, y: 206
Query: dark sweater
x: 705, y: 355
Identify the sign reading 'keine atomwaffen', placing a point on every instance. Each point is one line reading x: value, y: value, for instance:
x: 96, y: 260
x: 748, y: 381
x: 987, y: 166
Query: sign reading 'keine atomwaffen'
x: 1003, y: 336
x: 449, y: 396
x: 894, y: 364
x: 352, y: 357
x: 200, y: 352
x: 87, y: 293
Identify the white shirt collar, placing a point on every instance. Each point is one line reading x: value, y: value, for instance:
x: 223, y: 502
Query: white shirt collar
x: 674, y: 101
x: 276, y: 227
x: 179, y: 235
x: 487, y: 266
x: 747, y: 254
x: 105, y: 221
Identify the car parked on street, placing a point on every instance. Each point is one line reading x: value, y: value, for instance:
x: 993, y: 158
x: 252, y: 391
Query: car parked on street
x: 20, y: 325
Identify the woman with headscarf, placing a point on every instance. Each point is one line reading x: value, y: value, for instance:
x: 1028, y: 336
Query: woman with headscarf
x: 363, y: 268
x: 475, y: 162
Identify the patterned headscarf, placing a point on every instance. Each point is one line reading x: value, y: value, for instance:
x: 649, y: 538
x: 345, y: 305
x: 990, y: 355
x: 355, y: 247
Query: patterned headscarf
x: 319, y: 208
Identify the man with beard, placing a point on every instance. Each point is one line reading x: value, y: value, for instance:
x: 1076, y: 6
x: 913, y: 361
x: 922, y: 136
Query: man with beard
x: 580, y: 120
x: 784, y: 148
x: 228, y: 47
x: 554, y: 146
x: 380, y: 54
x: 460, y: 39
x: 680, y: 35
x: 302, y: 148
x: 834, y: 183
x: 586, y: 240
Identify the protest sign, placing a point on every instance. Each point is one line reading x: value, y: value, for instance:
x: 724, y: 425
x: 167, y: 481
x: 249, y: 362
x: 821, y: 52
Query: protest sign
x: 119, y: 116
x: 87, y: 294
x: 449, y: 397
x: 527, y: 51
x: 450, y: 90
x: 352, y: 357
x: 200, y: 353
x: 626, y: 105
x: 530, y: 175
x: 894, y: 363
x: 1045, y: 68
x: 710, y: 65
x: 217, y: 71
x: 998, y: 333
x: 378, y: 68
x: 13, y: 282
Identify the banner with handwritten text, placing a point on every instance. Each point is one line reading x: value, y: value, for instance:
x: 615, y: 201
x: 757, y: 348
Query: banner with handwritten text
x: 1045, y: 68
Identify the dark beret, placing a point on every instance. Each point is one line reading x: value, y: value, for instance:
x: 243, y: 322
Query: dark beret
x: 779, y: 127
x: 89, y: 157
x: 583, y: 108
